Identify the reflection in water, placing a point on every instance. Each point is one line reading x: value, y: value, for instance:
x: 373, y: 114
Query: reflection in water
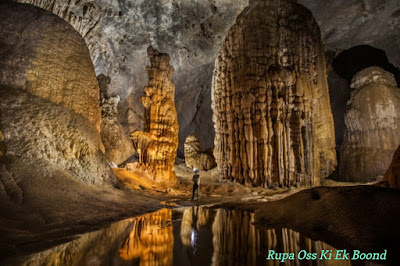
x: 151, y: 239
x: 190, y: 236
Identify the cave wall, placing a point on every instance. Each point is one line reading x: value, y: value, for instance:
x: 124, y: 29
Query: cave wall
x: 272, y: 116
x: 62, y: 73
x: 372, y: 126
x: 49, y: 107
x: 192, y: 32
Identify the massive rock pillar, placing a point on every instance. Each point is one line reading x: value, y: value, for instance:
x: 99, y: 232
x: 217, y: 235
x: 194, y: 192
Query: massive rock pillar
x: 272, y: 116
x: 158, y: 144
x: 372, y: 126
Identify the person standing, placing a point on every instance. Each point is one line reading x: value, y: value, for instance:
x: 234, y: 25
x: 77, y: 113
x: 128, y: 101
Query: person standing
x: 196, y: 182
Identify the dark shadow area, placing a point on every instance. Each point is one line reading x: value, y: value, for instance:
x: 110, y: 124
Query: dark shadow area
x: 350, y: 61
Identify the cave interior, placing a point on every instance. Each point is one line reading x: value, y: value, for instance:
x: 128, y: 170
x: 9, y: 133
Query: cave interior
x: 241, y: 132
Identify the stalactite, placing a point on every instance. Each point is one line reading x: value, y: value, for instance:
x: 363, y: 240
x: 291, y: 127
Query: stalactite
x: 272, y: 117
x: 158, y: 144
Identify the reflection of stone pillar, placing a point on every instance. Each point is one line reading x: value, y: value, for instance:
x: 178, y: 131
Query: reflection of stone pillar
x: 161, y: 122
x: 272, y: 116
x: 236, y: 241
x: 151, y: 239
x: 372, y: 126
x: 192, y: 219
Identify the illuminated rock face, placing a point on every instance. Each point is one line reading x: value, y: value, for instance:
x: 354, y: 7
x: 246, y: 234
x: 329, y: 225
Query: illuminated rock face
x: 372, y: 126
x: 49, y: 59
x: 158, y: 143
x: 392, y: 175
x: 49, y: 99
x: 272, y: 117
x: 195, y: 157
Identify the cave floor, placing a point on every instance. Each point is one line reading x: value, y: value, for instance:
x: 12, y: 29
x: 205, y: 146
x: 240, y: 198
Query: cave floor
x: 348, y: 211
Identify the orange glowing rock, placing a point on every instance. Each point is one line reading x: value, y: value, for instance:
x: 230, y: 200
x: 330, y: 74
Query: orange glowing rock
x: 151, y: 239
x: 158, y: 144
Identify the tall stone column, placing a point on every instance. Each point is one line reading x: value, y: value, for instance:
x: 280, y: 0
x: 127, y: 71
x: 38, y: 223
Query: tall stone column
x: 372, y: 126
x: 270, y: 100
x: 158, y: 144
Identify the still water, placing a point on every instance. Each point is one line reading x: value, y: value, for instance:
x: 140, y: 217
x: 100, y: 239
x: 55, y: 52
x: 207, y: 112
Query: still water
x: 187, y: 236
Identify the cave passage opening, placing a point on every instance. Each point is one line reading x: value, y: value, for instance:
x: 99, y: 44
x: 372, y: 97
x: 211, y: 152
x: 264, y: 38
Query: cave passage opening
x: 355, y: 59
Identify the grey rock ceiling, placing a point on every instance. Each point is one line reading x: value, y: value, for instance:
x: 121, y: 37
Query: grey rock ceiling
x: 191, y: 32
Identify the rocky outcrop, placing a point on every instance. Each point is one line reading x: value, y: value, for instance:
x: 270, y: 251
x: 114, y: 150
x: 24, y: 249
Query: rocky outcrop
x: 117, y: 145
x: 372, y: 126
x: 49, y: 104
x: 392, y: 175
x: 158, y: 143
x: 273, y: 122
x: 195, y: 157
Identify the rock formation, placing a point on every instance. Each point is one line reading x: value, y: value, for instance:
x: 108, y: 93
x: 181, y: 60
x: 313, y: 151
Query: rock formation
x: 158, y: 143
x: 191, y: 32
x: 118, y: 147
x: 392, y: 175
x: 273, y: 122
x: 71, y: 83
x: 49, y: 103
x: 195, y: 157
x: 372, y: 126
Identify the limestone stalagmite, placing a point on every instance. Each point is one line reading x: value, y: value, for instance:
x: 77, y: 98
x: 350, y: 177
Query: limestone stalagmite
x: 372, y: 126
x: 272, y: 117
x: 195, y: 157
x: 158, y: 143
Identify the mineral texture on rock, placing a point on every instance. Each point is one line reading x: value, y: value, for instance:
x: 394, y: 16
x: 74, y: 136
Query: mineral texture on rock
x: 392, y: 175
x: 49, y: 99
x: 158, y: 144
x: 117, y: 144
x: 272, y: 117
x: 372, y: 126
x: 195, y: 157
x: 46, y: 57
